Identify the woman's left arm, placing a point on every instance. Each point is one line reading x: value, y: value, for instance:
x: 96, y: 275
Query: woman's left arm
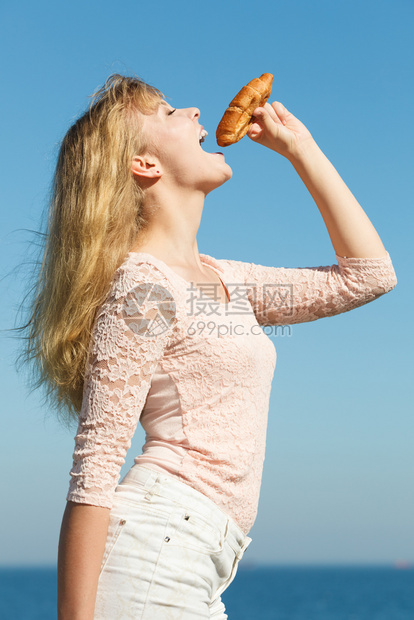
x: 350, y: 230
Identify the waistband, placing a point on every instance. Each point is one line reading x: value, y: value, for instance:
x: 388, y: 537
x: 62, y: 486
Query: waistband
x: 165, y: 485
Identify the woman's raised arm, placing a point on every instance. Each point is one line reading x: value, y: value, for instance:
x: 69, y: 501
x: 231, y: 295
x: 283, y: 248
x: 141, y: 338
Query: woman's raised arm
x: 349, y: 228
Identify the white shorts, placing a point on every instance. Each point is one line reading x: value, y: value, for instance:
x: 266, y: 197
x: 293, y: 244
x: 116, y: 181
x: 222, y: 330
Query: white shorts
x: 170, y: 552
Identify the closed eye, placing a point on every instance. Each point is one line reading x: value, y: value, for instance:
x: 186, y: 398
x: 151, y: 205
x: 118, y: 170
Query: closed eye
x: 171, y: 112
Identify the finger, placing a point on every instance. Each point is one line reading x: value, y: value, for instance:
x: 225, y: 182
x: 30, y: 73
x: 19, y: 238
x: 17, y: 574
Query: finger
x: 272, y: 112
x: 281, y: 111
x: 254, y: 130
x: 264, y: 119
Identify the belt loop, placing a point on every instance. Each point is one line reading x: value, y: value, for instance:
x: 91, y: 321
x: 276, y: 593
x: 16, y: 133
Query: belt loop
x: 149, y: 480
x: 151, y: 485
x: 243, y: 548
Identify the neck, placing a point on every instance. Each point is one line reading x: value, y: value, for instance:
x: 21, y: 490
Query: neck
x: 174, y: 222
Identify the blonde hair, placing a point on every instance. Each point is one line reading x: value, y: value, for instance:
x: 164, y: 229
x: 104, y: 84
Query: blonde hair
x: 95, y: 215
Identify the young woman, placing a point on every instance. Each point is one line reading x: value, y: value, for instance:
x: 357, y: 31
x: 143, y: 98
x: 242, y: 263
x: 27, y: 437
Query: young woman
x: 131, y: 323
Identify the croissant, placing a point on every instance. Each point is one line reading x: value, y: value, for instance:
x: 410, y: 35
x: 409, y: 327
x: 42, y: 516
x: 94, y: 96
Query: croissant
x: 239, y: 115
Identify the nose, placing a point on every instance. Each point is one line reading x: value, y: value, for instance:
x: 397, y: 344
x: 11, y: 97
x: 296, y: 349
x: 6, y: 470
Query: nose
x: 194, y: 113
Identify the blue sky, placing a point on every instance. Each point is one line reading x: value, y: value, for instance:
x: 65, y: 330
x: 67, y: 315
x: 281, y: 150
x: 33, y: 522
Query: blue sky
x: 338, y: 475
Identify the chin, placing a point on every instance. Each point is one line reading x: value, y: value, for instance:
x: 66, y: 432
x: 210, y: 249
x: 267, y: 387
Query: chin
x: 225, y: 178
x: 225, y: 175
x: 229, y: 175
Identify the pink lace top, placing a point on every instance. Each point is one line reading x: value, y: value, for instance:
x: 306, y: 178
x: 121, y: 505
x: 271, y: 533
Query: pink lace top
x: 196, y: 372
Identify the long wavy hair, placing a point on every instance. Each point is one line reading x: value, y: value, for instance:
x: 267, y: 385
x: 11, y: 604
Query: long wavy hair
x: 94, y: 217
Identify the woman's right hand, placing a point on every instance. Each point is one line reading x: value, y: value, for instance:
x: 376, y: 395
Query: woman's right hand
x: 277, y: 129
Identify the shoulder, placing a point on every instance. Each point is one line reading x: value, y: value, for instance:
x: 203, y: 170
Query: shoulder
x: 139, y: 281
x: 139, y: 291
x: 139, y: 270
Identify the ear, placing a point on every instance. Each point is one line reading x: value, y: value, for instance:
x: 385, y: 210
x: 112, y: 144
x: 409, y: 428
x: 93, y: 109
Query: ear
x: 145, y: 167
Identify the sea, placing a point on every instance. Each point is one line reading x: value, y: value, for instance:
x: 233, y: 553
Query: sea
x: 257, y: 593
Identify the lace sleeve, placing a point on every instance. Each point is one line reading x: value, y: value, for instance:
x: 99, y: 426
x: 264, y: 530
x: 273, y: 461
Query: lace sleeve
x: 281, y: 296
x: 130, y: 335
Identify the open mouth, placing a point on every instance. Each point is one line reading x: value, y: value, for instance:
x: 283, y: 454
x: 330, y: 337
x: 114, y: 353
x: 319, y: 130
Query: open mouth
x: 203, y: 134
